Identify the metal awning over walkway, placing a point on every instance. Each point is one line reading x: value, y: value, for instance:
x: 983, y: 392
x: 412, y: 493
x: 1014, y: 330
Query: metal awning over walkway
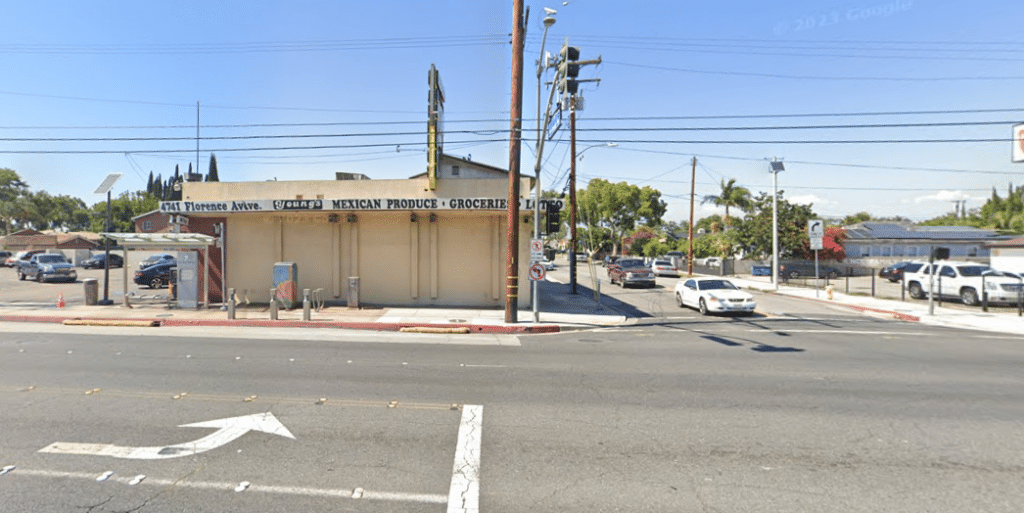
x: 165, y: 241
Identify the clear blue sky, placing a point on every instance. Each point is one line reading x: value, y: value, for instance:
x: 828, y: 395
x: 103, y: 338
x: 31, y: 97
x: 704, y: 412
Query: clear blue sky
x: 338, y: 70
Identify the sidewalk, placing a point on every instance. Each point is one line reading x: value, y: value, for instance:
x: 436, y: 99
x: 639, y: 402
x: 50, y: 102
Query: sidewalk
x: 1004, y: 321
x: 560, y: 310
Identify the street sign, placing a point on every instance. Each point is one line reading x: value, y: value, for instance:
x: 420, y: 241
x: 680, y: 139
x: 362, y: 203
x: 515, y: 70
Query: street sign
x: 536, y: 250
x: 815, y: 228
x: 815, y: 231
x: 537, y: 272
x: 227, y: 431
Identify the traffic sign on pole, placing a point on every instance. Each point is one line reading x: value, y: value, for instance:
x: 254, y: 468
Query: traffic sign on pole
x: 537, y: 272
x: 815, y: 231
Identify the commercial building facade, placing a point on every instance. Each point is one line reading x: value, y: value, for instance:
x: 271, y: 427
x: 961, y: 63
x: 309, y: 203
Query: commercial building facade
x: 408, y: 244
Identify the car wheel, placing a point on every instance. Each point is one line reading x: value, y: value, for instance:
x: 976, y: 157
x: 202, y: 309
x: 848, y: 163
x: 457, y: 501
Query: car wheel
x: 156, y: 283
x: 969, y: 296
x: 916, y: 291
x: 679, y: 299
x: 21, y: 276
x: 39, y: 277
x: 703, y: 307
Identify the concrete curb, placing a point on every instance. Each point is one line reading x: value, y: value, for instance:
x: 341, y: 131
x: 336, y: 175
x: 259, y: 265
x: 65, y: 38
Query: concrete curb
x: 368, y: 325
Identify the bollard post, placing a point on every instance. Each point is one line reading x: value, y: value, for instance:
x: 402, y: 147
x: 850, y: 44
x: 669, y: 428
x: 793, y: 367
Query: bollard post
x: 872, y: 283
x: 305, y: 305
x: 273, y: 305
x: 598, y: 294
x: 231, y: 303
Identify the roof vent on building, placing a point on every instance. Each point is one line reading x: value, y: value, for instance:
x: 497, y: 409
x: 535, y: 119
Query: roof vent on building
x: 350, y: 176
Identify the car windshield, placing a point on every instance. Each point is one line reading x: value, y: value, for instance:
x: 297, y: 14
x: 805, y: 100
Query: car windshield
x: 631, y: 263
x: 663, y: 263
x: 716, y: 285
x: 51, y: 259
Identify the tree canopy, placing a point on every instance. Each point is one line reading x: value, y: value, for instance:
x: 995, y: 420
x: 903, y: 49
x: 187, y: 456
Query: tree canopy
x: 618, y: 208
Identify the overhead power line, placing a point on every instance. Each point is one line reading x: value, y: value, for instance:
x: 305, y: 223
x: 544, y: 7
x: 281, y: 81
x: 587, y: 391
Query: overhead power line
x: 822, y: 77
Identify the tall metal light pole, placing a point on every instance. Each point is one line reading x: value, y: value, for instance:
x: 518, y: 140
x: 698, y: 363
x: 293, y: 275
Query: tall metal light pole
x: 572, y: 192
x: 104, y: 188
x: 541, y: 124
x: 774, y: 167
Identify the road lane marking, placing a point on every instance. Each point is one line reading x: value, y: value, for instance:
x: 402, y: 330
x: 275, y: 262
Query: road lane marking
x: 428, y: 498
x: 227, y: 431
x: 464, y: 493
x: 840, y: 331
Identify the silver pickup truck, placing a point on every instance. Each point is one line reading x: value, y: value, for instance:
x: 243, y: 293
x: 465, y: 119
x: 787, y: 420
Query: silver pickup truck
x: 46, y: 267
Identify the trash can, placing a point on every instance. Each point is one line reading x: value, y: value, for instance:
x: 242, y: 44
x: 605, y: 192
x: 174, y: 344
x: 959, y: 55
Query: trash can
x: 92, y: 291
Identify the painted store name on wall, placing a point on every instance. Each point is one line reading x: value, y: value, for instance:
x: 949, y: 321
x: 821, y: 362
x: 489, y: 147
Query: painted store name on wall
x: 318, y: 205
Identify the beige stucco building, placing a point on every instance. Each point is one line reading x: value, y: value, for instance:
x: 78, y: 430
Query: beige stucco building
x: 409, y: 245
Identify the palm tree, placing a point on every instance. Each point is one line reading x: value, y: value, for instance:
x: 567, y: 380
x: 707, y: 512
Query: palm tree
x: 732, y: 195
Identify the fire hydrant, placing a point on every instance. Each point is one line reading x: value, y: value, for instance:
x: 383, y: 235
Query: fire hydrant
x: 829, y: 290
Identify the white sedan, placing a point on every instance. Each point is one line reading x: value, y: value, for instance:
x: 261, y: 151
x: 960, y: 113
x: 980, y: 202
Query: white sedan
x: 714, y: 295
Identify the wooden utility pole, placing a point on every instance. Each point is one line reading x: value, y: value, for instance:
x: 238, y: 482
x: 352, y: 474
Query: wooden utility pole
x: 689, y: 239
x: 572, y: 194
x: 515, y: 142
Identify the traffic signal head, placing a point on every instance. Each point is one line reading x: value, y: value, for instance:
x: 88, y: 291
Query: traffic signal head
x: 554, y: 218
x: 568, y: 85
x: 570, y: 53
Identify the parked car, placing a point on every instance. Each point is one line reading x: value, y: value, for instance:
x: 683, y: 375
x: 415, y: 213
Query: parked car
x: 4, y: 255
x: 21, y: 256
x: 713, y: 262
x: 795, y: 270
x: 549, y: 265
x: 47, y: 266
x: 664, y: 268
x: 894, y: 272
x: 710, y: 294
x: 155, y: 276
x: 157, y: 259
x: 98, y: 261
x: 630, y: 271
x: 964, y: 280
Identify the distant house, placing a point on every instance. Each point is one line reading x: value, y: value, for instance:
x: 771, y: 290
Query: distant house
x: 884, y: 242
x: 32, y: 239
x: 75, y: 245
x: 456, y: 167
x: 153, y: 221
x: 1007, y: 255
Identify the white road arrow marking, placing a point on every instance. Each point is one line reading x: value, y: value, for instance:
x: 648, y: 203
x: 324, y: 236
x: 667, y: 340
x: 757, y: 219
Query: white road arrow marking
x: 227, y: 430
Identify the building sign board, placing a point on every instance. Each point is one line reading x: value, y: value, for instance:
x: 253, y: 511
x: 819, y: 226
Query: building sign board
x: 354, y: 204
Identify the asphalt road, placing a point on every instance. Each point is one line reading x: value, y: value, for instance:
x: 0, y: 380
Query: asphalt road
x: 800, y: 408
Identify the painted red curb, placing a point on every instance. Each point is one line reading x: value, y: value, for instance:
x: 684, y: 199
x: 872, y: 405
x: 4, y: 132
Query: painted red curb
x: 898, y: 315
x: 255, y: 323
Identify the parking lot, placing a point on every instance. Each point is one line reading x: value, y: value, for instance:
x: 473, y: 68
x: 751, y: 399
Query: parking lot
x: 14, y: 292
